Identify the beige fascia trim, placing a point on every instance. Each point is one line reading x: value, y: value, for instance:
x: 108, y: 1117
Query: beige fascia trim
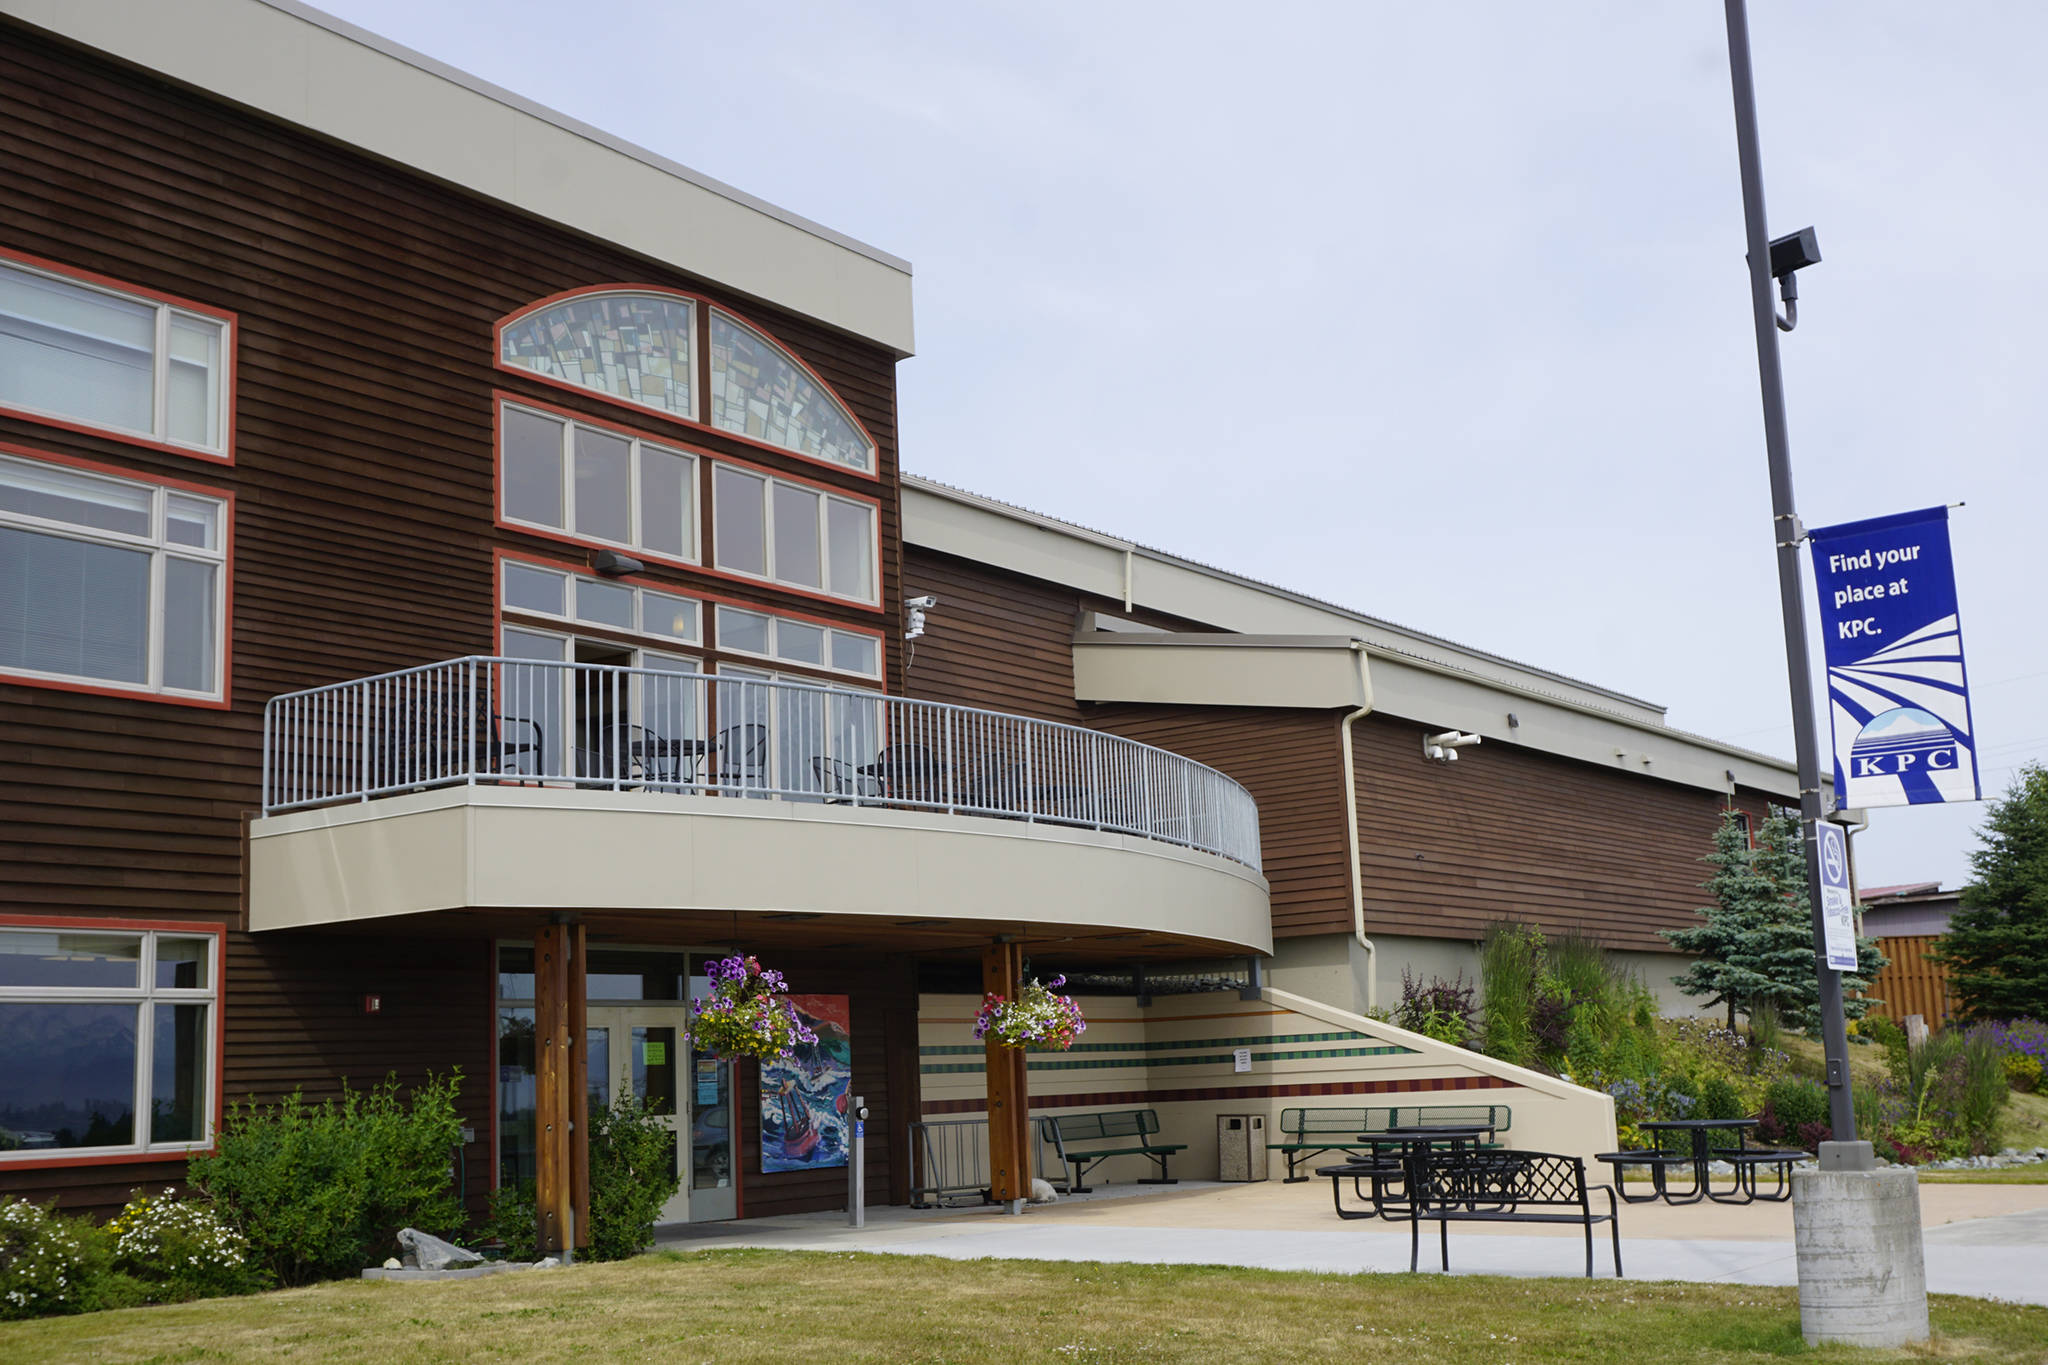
x: 1432, y: 682
x: 294, y: 63
x: 1294, y: 671
x: 560, y: 848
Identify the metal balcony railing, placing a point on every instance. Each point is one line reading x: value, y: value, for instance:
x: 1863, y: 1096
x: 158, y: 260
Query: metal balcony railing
x: 529, y: 722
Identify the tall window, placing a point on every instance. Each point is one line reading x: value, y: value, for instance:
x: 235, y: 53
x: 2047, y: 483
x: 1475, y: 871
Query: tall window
x: 793, y: 533
x: 111, y: 582
x: 597, y: 483
x: 120, y: 362
x: 108, y: 1040
x: 636, y: 348
x: 759, y: 390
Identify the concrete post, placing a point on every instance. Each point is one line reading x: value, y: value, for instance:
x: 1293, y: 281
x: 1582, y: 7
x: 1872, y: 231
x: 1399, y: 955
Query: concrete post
x: 1862, y: 1268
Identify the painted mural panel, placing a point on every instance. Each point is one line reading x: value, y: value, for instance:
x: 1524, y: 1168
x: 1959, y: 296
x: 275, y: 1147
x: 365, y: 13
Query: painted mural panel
x: 804, y: 1098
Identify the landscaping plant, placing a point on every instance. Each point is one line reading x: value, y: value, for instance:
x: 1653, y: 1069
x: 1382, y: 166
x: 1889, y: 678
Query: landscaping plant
x: 44, y: 1262
x: 1508, y: 973
x: 632, y: 1174
x: 1436, y: 1008
x: 320, y: 1191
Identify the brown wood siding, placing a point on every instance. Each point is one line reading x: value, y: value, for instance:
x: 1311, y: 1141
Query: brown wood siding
x: 363, y: 535
x: 882, y: 995
x: 1290, y: 763
x: 1913, y: 983
x: 1445, y: 848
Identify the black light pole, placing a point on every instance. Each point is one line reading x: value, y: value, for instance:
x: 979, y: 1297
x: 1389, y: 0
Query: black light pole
x: 1788, y: 534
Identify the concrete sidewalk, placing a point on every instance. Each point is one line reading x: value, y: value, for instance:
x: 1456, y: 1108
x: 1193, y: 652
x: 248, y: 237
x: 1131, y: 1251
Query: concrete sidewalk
x: 1990, y: 1241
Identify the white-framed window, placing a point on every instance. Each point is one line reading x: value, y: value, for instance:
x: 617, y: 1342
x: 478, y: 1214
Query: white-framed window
x: 805, y: 643
x: 761, y: 391
x: 596, y: 483
x: 109, y: 1038
x: 584, y: 723
x: 793, y: 533
x: 566, y: 596
x: 121, y: 362
x: 635, y: 347
x: 111, y: 582
x: 809, y: 743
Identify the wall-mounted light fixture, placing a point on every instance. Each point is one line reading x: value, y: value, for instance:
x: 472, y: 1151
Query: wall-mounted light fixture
x: 612, y: 564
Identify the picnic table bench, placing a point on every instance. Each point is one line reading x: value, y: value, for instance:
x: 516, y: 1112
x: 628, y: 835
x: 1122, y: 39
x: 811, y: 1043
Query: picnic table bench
x: 1130, y: 1130
x: 1307, y: 1133
x: 1502, y: 1187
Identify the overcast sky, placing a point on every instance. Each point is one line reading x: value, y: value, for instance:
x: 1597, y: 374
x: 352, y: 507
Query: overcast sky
x: 1435, y: 311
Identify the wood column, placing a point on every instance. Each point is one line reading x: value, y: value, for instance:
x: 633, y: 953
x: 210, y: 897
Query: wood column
x: 1009, y: 1099
x: 579, y: 1087
x: 561, y: 1195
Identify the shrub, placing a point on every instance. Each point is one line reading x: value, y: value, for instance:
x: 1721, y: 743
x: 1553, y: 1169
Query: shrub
x: 1508, y: 980
x: 632, y: 1174
x: 2022, y: 1073
x: 1793, y: 1109
x: 177, y: 1251
x: 320, y: 1191
x: 510, y: 1221
x: 44, y: 1262
x: 1437, y: 1009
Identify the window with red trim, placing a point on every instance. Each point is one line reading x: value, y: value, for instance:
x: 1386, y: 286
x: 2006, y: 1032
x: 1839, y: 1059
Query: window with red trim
x: 110, y: 1039
x: 111, y: 582
x: 78, y: 350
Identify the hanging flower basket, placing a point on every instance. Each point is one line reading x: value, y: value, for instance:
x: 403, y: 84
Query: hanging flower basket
x: 746, y: 1013
x: 1036, y: 1018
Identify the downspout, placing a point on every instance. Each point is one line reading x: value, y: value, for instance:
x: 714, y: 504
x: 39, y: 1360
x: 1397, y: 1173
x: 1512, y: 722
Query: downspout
x: 1372, y: 974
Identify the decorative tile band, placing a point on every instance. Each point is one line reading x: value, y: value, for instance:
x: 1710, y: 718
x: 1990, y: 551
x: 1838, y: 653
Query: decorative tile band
x: 1206, y: 1059
x: 1147, y: 1098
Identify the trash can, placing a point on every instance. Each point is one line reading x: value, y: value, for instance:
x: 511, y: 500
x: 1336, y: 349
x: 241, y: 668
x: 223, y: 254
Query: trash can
x: 1241, y: 1147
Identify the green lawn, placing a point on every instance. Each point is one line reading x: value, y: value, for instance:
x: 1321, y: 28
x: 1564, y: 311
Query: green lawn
x: 761, y: 1306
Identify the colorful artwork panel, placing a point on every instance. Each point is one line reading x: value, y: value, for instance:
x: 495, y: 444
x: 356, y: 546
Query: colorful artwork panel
x: 804, y: 1098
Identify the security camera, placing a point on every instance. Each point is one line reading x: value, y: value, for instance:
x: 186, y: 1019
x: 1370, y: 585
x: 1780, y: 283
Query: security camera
x: 1443, y: 748
x: 924, y: 603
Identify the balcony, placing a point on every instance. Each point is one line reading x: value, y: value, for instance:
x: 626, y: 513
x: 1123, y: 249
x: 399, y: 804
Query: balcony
x: 483, y: 783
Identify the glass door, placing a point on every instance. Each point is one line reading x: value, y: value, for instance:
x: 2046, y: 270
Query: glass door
x: 713, y: 1184
x: 639, y: 1048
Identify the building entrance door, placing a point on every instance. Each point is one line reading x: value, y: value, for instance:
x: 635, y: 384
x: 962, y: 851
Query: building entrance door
x: 637, y: 1049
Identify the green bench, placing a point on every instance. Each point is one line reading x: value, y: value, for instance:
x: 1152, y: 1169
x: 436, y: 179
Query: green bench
x: 1130, y: 1129
x: 1306, y: 1133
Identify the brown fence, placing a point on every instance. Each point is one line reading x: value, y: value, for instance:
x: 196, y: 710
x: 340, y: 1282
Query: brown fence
x: 1912, y: 984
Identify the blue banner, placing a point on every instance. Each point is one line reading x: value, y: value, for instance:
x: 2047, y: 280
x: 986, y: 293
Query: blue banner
x: 1898, y: 694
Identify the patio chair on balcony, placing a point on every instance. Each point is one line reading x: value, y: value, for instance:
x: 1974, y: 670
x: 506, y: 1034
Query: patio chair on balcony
x: 742, y: 752
x: 908, y: 772
x: 425, y: 735
x: 839, y: 781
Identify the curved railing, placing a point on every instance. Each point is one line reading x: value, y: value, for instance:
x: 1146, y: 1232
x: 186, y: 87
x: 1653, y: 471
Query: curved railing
x: 522, y: 721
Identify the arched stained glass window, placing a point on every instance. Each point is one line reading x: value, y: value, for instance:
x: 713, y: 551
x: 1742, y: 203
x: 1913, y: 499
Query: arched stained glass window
x: 634, y: 347
x: 759, y: 390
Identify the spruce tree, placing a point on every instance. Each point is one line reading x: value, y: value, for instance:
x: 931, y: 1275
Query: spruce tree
x: 1784, y: 953
x: 1756, y: 946
x: 1742, y: 905
x: 1996, y: 949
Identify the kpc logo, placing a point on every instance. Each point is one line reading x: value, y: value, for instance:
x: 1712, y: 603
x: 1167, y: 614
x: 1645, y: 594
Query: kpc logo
x: 1904, y: 742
